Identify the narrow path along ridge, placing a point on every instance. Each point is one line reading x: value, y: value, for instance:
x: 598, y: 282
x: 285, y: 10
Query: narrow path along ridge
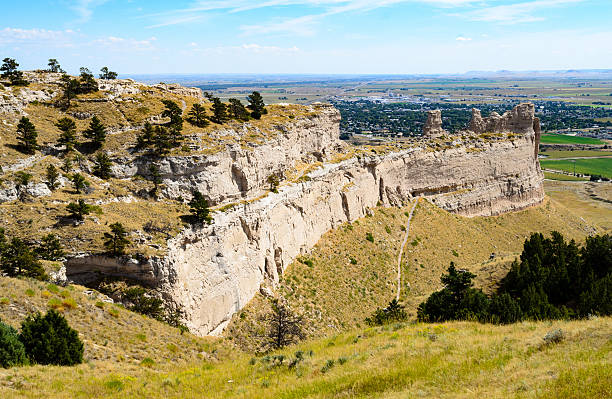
x: 399, y: 256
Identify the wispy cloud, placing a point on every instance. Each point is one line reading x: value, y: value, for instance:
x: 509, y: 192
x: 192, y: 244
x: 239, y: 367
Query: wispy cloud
x: 252, y: 48
x: 515, y: 13
x: 463, y: 39
x: 84, y: 8
x: 18, y: 35
x: 115, y: 43
x: 302, y: 25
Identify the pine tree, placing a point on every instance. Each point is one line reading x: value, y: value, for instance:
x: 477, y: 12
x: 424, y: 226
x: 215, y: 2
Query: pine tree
x: 10, y: 72
x: 71, y: 88
x: 116, y: 240
x: 18, y: 259
x: 197, y: 115
x: 198, y: 205
x: 79, y: 182
x: 107, y: 75
x: 50, y: 248
x: 27, y: 136
x: 102, y: 166
x: 174, y: 112
x: 50, y: 340
x: 237, y: 110
x: 54, y: 66
x: 284, y: 328
x: 155, y: 178
x: 219, y: 111
x: 257, y: 105
x: 52, y: 177
x: 12, y: 352
x: 68, y: 136
x: 162, y: 140
x: 78, y: 210
x: 96, y: 132
x: 146, y: 137
x: 88, y: 83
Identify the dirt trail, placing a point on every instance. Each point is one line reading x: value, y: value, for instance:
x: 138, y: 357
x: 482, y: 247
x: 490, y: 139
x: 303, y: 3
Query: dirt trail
x: 399, y: 256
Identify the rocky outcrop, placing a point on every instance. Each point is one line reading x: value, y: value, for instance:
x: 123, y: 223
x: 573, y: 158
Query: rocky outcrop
x: 238, y: 173
x: 433, y: 125
x: 211, y: 272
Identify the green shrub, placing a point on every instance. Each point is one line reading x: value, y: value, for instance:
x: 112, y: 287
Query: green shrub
x: 328, y: 366
x: 369, y: 237
x: 12, y: 352
x: 29, y: 292
x: 50, y: 340
x: 394, y: 312
x: 147, y: 362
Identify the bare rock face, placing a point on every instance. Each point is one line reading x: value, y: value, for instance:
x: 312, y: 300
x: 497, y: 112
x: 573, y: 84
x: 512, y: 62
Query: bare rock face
x: 433, y: 126
x: 519, y: 120
x: 211, y: 272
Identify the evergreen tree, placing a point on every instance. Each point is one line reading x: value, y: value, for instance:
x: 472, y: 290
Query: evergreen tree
x: 107, y: 75
x: 256, y: 105
x: 27, y: 136
x: 102, y: 166
x: 68, y: 136
x: 146, y: 137
x: 284, y: 328
x: 174, y: 112
x: 50, y: 248
x: 17, y: 259
x: 197, y: 115
x: 22, y: 179
x: 198, y: 207
x: 116, y: 240
x: 96, y: 132
x: 79, y: 182
x: 54, y: 66
x: 162, y: 140
x: 219, y: 111
x: 88, y: 83
x: 237, y: 110
x: 140, y: 301
x: 78, y: 210
x: 12, y: 352
x: 10, y: 72
x: 155, y: 178
x: 52, y: 177
x: 394, y: 312
x: 50, y: 340
x: 71, y: 88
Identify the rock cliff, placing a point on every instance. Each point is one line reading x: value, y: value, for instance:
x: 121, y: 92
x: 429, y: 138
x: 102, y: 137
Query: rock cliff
x: 211, y: 272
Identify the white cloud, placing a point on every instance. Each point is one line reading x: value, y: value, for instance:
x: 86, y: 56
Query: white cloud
x: 515, y: 13
x: 84, y: 8
x: 251, y: 48
x: 125, y: 44
x: 18, y: 35
x: 463, y: 39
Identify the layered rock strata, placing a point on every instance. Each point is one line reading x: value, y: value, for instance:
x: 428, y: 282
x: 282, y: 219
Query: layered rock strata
x: 211, y: 272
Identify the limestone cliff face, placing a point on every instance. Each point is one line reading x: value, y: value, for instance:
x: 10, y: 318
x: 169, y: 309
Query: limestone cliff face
x: 211, y: 272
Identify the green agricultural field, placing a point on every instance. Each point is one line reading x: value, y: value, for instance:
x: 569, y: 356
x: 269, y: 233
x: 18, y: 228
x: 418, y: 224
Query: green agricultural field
x: 562, y: 177
x: 566, y: 139
x: 577, y: 154
x: 594, y: 166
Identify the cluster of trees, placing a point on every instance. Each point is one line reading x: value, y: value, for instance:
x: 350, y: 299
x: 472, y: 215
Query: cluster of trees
x: 44, y: 339
x: 22, y: 258
x: 554, y: 279
x: 394, y: 312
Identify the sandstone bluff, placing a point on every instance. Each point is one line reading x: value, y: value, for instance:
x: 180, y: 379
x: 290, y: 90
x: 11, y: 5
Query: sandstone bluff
x: 210, y: 272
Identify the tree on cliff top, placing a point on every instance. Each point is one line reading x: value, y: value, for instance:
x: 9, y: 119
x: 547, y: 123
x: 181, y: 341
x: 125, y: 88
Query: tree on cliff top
x: 10, y: 72
x: 197, y: 115
x: 256, y: 105
x: 107, y: 75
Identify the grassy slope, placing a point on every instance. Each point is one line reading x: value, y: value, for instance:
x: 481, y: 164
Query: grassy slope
x: 114, y: 338
x: 336, y: 294
x: 566, y: 139
x: 435, y: 361
x: 594, y: 166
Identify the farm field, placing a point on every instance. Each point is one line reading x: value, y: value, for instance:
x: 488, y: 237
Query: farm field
x: 577, y: 154
x: 566, y: 139
x: 594, y: 166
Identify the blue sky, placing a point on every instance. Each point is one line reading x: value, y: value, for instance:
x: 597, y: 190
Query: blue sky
x: 308, y: 36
